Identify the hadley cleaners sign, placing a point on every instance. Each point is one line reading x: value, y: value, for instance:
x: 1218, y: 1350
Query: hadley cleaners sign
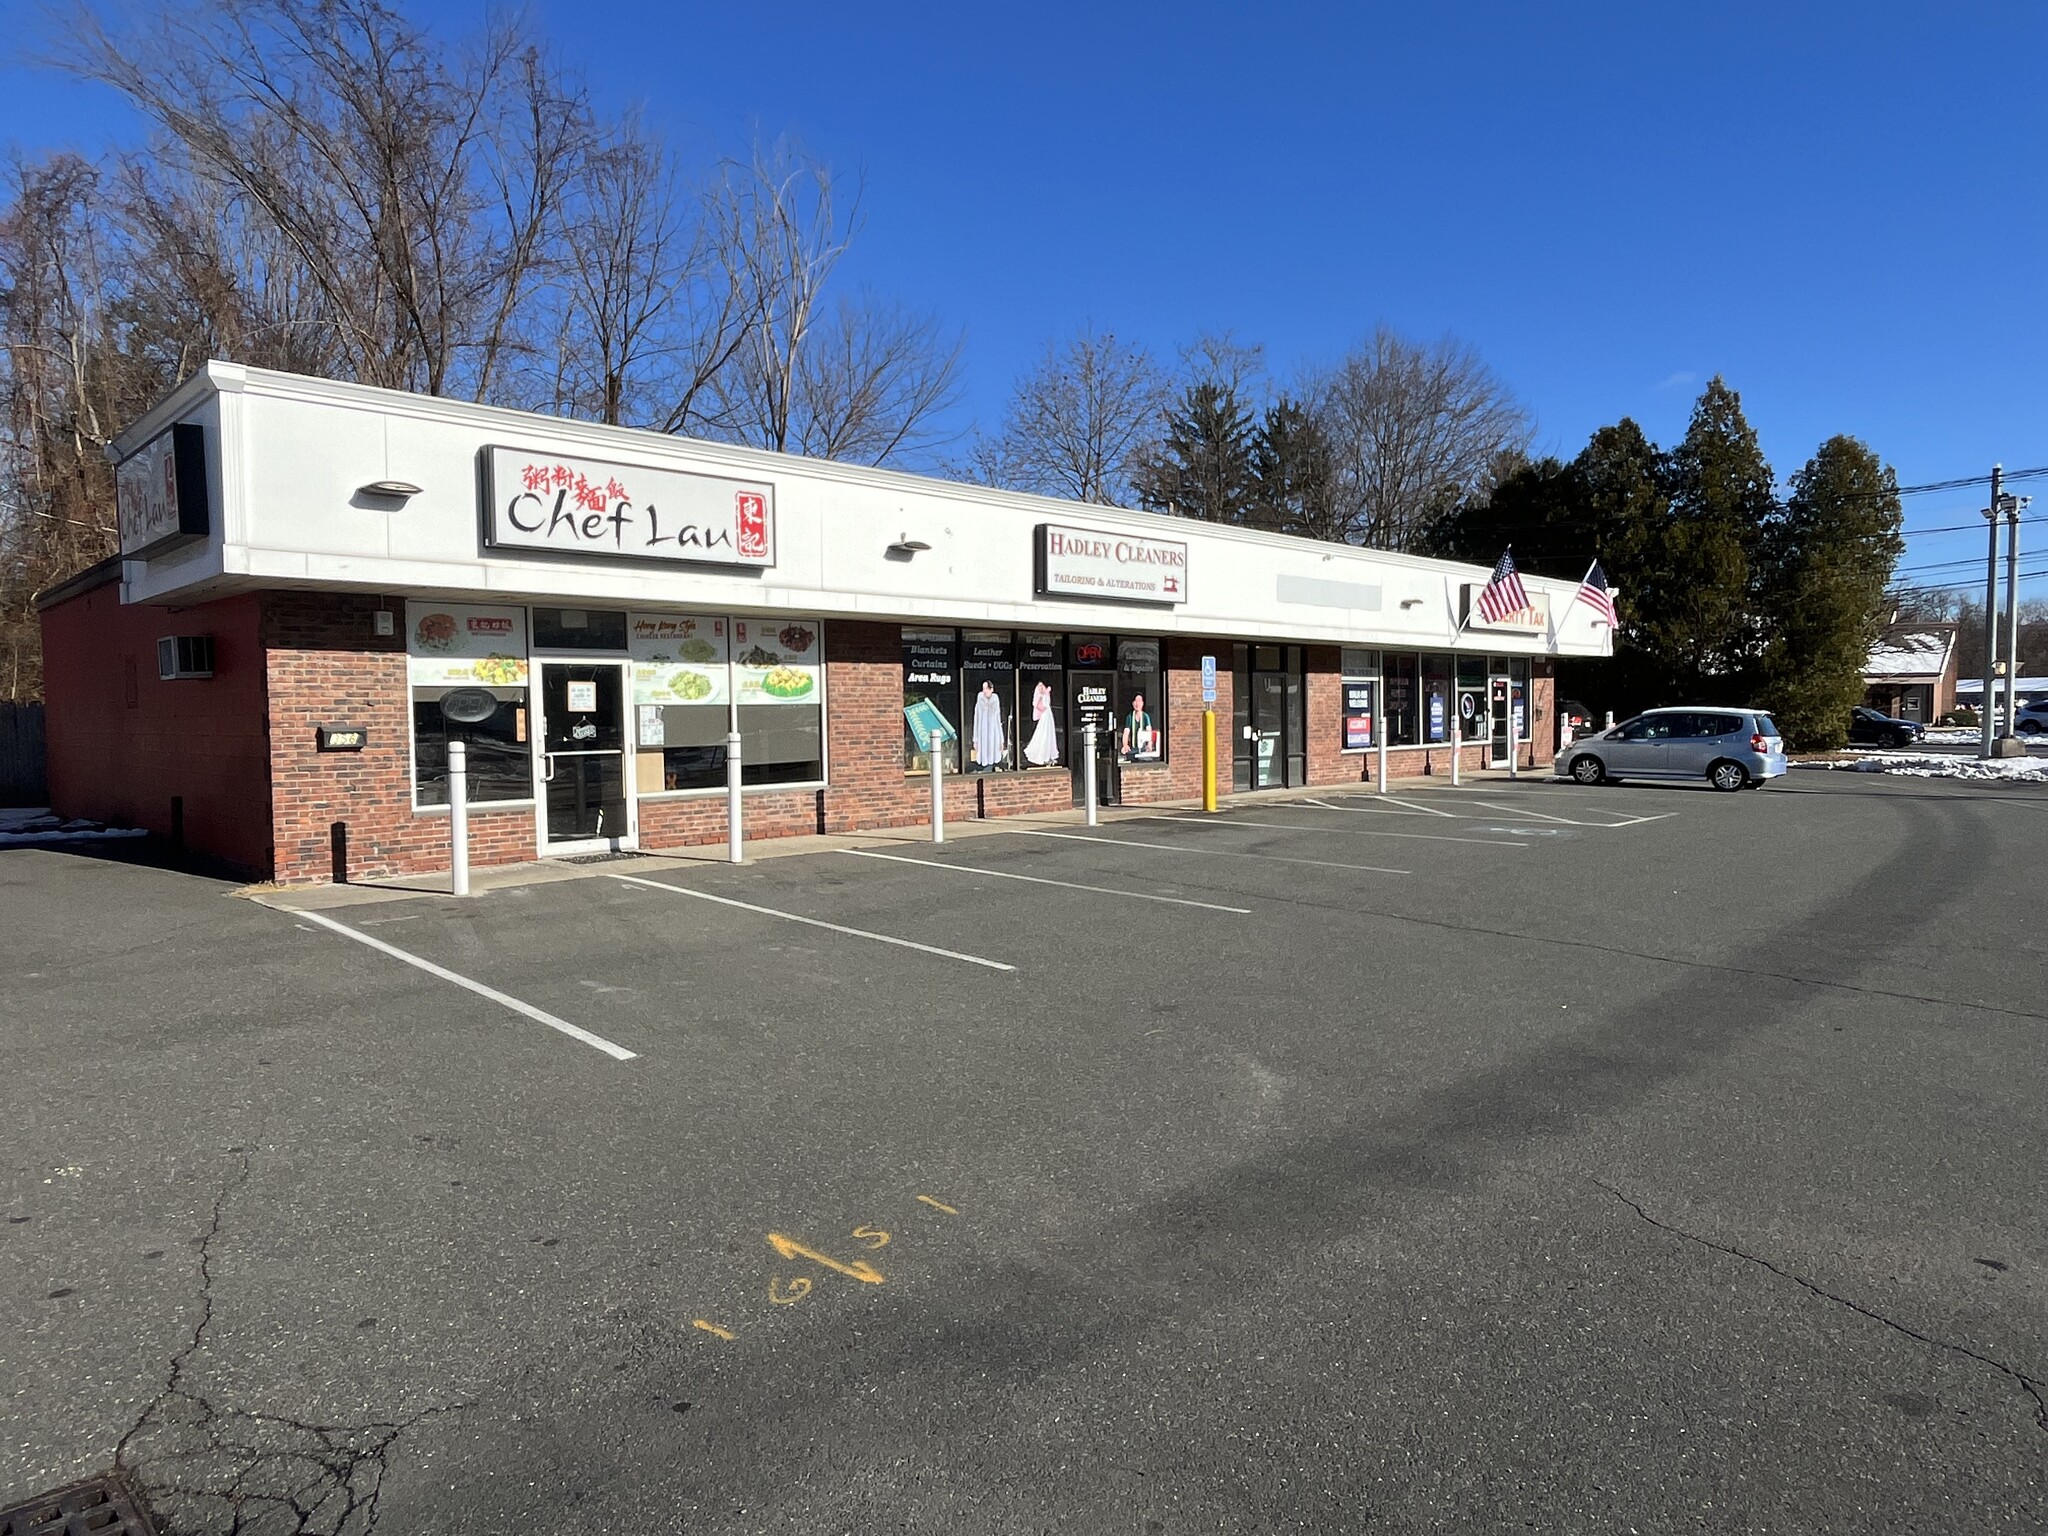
x: 1086, y: 562
x: 160, y: 492
x: 578, y: 507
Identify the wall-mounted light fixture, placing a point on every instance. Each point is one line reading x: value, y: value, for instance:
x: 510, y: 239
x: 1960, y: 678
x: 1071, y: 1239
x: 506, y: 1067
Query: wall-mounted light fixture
x: 1411, y: 602
x: 905, y: 547
x: 389, y: 490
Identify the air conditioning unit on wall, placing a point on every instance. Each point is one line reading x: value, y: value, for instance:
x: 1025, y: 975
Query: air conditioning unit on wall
x: 184, y: 656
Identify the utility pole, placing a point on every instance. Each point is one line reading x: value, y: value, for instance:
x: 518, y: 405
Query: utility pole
x: 1990, y: 614
x: 2014, y: 505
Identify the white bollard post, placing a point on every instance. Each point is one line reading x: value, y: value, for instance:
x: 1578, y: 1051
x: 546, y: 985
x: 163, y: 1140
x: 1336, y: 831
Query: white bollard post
x: 1457, y: 744
x: 735, y: 827
x: 1380, y: 736
x: 937, y: 753
x: 1514, y: 746
x: 458, y: 817
x: 1088, y: 768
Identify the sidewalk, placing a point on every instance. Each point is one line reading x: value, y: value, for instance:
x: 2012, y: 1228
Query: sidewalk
x: 497, y: 877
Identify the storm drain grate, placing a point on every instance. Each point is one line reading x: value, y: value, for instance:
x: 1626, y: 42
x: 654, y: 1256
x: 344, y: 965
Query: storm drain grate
x: 99, y: 1506
x: 597, y: 858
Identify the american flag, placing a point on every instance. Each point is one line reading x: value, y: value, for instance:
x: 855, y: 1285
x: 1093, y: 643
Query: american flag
x: 1594, y: 594
x: 1504, y: 595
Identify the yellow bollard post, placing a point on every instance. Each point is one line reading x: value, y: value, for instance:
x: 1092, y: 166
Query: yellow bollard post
x: 1208, y: 759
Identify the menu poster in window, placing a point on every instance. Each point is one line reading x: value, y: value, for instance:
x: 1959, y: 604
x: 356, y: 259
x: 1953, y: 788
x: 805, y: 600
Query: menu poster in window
x: 450, y: 644
x: 776, y: 661
x: 678, y: 658
x: 1438, y: 728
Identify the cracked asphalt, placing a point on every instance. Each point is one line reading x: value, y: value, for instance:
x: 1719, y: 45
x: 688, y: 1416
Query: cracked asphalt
x: 1525, y: 1157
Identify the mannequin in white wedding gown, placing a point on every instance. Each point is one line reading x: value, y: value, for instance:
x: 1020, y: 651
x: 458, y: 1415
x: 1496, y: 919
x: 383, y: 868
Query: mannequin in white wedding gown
x: 1043, y: 749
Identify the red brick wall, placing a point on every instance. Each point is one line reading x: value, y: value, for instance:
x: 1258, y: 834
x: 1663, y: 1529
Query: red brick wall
x: 122, y: 742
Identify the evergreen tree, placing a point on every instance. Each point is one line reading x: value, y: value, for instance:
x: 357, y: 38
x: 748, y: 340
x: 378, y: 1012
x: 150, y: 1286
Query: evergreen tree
x: 1693, y: 616
x: 1828, y: 553
x: 1203, y: 468
x: 1294, y: 474
x: 1535, y: 505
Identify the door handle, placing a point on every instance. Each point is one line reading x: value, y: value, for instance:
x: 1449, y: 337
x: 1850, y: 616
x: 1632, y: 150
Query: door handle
x: 547, y: 768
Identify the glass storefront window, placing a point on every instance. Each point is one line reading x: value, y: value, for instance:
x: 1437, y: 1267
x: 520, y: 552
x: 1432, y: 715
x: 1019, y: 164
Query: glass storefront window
x: 578, y: 629
x: 1358, y: 685
x: 1403, y: 704
x: 467, y: 672
x: 988, y: 677
x: 682, y: 699
x: 1437, y: 703
x: 931, y: 670
x: 1140, y: 720
x: 492, y: 721
x: 778, y: 692
x: 696, y: 677
x: 1518, y: 685
x: 1041, y: 690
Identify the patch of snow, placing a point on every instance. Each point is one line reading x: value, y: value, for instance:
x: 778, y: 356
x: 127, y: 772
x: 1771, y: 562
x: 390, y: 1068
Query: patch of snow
x: 20, y: 825
x: 2007, y: 770
x: 1950, y: 735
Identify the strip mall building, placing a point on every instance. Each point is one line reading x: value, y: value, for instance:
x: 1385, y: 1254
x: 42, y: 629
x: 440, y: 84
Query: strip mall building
x: 321, y: 585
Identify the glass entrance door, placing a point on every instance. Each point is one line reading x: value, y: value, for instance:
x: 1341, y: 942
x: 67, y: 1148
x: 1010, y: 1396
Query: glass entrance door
x: 1502, y: 720
x: 585, y: 801
x: 1269, y: 730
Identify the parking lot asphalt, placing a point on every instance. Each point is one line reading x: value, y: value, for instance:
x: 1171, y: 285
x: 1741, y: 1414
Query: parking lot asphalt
x: 1519, y: 1156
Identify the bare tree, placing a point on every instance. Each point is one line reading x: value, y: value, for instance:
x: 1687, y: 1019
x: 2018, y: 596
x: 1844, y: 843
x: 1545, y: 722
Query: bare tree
x: 859, y: 379
x: 1413, y: 429
x: 649, y: 312
x: 1080, y: 425
x: 416, y: 188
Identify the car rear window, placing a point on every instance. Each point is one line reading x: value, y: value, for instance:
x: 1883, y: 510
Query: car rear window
x: 1767, y: 725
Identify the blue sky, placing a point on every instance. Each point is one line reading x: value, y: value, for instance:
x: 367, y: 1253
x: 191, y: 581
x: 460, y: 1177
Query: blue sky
x: 1836, y: 206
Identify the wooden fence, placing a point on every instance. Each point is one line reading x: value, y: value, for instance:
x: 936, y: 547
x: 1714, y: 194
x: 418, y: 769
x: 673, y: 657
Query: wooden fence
x: 21, y: 755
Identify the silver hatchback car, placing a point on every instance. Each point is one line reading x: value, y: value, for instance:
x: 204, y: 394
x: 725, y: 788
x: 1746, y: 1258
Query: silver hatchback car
x: 1729, y: 748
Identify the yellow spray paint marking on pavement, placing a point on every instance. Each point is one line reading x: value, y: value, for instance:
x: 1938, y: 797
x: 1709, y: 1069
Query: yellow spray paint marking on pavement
x: 788, y: 1293
x: 723, y: 1333
x: 874, y: 1237
x: 790, y: 1248
x: 937, y: 1206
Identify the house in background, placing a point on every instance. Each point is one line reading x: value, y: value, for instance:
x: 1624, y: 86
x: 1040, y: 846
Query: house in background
x: 1911, y: 672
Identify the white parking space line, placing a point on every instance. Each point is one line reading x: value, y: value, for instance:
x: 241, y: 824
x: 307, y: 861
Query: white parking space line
x: 1370, y: 808
x: 1004, y: 874
x: 525, y: 1010
x: 1295, y: 826
x: 1207, y: 853
x: 1427, y: 810
x: 1512, y: 810
x: 813, y: 922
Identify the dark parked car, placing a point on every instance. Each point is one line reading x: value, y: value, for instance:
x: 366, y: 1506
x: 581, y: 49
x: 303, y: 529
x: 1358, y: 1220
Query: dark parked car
x: 1571, y: 713
x: 1867, y: 725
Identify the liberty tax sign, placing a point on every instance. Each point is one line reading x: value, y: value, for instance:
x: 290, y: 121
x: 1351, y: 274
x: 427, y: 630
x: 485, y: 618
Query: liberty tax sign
x: 1084, y: 562
x: 556, y: 505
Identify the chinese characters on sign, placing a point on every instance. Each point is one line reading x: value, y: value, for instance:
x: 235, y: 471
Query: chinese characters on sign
x: 560, y: 505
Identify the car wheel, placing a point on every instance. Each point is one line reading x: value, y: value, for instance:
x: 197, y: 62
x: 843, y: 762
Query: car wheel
x: 1902, y: 738
x: 1586, y: 769
x: 2030, y: 727
x: 1727, y: 775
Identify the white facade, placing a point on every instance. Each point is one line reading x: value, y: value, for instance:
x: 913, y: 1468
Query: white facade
x: 287, y: 458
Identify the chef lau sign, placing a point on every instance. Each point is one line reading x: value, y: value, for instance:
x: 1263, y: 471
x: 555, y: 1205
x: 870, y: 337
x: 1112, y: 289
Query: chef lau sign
x: 160, y: 492
x: 1083, y: 562
x: 563, y: 506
